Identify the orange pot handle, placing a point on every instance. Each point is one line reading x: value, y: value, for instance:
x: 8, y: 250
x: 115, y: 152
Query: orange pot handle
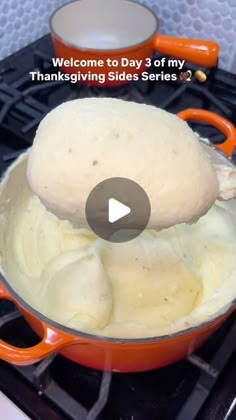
x: 52, y: 341
x: 200, y: 52
x: 229, y: 145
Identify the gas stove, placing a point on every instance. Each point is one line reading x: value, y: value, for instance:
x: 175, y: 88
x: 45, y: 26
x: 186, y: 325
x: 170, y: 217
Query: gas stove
x: 199, y: 387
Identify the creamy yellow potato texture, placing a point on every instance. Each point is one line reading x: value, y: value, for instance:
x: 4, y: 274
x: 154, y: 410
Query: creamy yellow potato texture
x: 158, y: 283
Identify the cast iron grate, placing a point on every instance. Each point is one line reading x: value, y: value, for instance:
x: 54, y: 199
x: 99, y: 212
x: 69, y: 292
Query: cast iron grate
x: 76, y: 392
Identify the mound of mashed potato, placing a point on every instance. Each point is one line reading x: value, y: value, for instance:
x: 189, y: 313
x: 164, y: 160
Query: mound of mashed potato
x: 86, y: 141
x: 156, y: 284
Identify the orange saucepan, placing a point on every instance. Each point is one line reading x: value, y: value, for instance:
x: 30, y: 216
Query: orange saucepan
x: 120, y: 355
x: 88, y: 31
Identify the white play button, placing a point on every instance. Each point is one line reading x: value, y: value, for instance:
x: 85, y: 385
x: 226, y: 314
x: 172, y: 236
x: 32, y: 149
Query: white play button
x: 116, y: 210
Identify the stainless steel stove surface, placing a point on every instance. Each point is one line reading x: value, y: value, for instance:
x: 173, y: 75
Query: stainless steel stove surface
x: 200, y: 387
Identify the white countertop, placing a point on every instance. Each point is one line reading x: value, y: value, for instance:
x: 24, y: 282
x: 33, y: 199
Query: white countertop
x: 9, y: 411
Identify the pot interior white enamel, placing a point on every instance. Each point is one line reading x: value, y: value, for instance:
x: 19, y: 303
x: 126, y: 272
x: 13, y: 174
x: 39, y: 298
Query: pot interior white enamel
x: 104, y: 24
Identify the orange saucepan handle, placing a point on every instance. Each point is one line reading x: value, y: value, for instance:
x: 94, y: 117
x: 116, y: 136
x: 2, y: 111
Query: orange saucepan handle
x: 200, y: 52
x: 229, y: 145
x: 52, y: 341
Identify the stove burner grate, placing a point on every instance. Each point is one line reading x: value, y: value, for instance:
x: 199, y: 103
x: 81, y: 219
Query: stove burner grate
x: 39, y: 376
x: 201, y: 386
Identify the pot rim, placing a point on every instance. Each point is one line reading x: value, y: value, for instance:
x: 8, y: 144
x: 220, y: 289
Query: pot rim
x: 104, y: 50
x: 145, y: 340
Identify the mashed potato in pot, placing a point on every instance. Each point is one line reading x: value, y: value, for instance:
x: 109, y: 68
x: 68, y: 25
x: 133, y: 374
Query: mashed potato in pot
x: 158, y: 283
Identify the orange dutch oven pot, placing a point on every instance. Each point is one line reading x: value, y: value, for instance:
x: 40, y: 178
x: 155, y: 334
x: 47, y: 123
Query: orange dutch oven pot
x: 118, y: 30
x: 119, y: 355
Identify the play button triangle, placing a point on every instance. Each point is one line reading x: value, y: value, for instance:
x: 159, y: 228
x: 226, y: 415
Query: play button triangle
x: 117, y: 210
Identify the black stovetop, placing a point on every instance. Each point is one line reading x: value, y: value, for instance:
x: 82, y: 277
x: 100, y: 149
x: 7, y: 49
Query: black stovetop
x: 200, y: 387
